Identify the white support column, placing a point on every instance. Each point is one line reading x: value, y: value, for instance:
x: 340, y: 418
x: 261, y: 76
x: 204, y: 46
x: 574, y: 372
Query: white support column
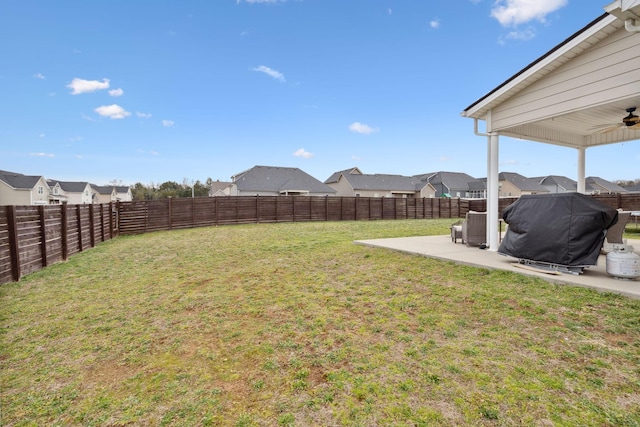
x: 493, y: 192
x: 581, y: 168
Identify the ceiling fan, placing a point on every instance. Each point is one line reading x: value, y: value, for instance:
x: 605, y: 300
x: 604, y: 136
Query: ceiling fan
x: 631, y: 121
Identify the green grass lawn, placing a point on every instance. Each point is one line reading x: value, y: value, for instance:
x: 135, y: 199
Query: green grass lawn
x: 294, y: 324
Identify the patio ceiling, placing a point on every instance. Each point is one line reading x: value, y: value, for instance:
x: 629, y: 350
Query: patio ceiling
x: 587, y: 119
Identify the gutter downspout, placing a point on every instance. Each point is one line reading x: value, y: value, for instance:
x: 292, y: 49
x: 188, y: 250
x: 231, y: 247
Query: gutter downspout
x: 492, y: 238
x: 631, y: 26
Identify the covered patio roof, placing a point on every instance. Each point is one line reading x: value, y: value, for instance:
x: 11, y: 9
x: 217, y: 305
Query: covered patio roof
x: 576, y: 95
x: 581, y: 87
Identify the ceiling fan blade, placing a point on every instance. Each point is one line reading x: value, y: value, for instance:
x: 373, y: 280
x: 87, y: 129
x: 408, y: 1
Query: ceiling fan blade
x: 600, y: 127
x: 614, y: 128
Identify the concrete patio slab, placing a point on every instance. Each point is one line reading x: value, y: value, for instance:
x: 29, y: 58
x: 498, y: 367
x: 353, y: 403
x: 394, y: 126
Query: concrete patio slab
x: 441, y: 247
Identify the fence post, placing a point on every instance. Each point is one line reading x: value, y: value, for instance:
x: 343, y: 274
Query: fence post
x: 43, y: 236
x: 102, y: 236
x: 215, y: 206
x: 14, y: 250
x: 170, y: 213
x: 113, y: 218
x: 64, y: 227
x: 326, y: 208
x: 257, y: 209
x: 193, y: 212
x: 92, y: 227
x: 355, y: 209
x: 79, y: 222
x: 293, y: 207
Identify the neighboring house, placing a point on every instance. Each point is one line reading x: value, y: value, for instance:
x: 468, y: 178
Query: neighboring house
x: 455, y: 184
x: 277, y: 181
x: 513, y: 184
x: 73, y: 193
x: 558, y: 184
x: 19, y: 189
x: 602, y: 186
x: 103, y: 193
x: 111, y: 193
x: 219, y: 188
x: 123, y: 193
x: 353, y: 183
x: 56, y: 193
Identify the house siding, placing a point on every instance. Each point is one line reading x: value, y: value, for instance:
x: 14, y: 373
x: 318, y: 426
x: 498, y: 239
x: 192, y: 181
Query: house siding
x: 342, y: 187
x: 23, y: 196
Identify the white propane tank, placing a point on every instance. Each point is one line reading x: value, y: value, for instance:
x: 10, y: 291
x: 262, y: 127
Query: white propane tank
x: 622, y: 263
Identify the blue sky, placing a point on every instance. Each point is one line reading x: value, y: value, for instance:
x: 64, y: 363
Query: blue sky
x: 164, y: 90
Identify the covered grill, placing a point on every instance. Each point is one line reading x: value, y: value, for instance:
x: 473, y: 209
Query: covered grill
x: 557, y: 229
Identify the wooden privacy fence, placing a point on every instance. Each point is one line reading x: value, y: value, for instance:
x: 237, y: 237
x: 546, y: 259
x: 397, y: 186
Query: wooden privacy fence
x: 168, y: 214
x: 33, y: 237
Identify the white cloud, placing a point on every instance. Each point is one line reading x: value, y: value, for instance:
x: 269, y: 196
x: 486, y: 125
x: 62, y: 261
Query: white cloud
x: 41, y: 135
x: 116, y: 92
x: 168, y: 123
x: 523, y: 35
x: 444, y: 158
x: 39, y: 76
x: 509, y: 162
x: 358, y: 127
x: 270, y: 72
x: 154, y: 153
x: 41, y: 155
x: 143, y: 115
x: 434, y: 24
x: 79, y: 86
x: 113, y: 111
x: 515, y: 12
x: 303, y: 153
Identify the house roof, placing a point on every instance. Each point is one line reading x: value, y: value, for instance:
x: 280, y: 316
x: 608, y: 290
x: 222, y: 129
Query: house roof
x: 384, y: 182
x: 219, y: 186
x: 18, y: 180
x: 279, y: 179
x: 563, y: 182
x: 69, y: 186
x: 102, y: 189
x: 454, y: 181
x: 604, y: 184
x: 336, y: 175
x: 521, y: 182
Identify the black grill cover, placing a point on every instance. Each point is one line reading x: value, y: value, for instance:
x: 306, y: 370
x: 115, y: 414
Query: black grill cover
x: 564, y: 229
